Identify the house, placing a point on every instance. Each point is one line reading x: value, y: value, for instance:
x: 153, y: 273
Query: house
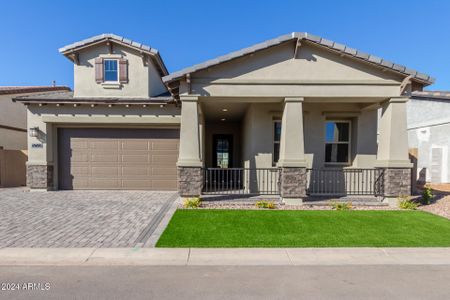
x: 13, y: 133
x: 292, y: 116
x: 429, y: 135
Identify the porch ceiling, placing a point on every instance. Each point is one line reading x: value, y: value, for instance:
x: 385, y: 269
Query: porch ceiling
x: 218, y: 110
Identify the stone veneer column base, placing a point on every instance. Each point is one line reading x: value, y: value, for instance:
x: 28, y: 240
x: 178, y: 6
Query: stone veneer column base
x: 293, y: 185
x: 397, y: 182
x: 190, y: 181
x: 40, y: 177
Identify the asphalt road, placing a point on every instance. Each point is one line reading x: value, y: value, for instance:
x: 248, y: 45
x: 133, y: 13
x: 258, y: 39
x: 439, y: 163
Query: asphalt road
x: 188, y: 282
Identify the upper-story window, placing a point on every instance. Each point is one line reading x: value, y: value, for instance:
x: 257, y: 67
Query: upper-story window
x: 111, y: 70
x: 337, y: 142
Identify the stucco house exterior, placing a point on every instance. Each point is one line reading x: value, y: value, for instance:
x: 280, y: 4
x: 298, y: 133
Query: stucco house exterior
x: 429, y: 135
x: 13, y: 133
x: 292, y: 116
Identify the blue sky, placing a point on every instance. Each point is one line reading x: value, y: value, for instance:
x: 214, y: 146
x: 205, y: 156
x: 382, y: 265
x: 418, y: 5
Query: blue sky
x: 412, y: 33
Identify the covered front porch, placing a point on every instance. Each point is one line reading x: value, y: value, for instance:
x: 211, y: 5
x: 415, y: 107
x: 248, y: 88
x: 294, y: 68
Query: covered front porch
x: 296, y: 116
x: 296, y: 147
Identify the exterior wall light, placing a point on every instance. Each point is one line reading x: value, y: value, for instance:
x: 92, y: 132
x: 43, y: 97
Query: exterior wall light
x: 33, y: 132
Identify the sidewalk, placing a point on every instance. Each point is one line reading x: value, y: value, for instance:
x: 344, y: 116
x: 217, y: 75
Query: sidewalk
x: 224, y: 256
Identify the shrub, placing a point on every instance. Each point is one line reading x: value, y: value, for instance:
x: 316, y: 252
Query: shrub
x: 406, y: 203
x: 427, y: 195
x: 266, y: 204
x: 341, y: 205
x: 192, y: 202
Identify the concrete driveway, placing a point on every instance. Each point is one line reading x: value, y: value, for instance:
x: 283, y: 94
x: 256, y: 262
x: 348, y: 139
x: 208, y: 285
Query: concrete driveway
x: 80, y: 218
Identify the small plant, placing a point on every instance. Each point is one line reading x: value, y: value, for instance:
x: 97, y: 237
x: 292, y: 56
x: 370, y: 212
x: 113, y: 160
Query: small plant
x: 404, y: 202
x: 266, y: 204
x: 194, y: 202
x: 341, y: 205
x: 427, y: 195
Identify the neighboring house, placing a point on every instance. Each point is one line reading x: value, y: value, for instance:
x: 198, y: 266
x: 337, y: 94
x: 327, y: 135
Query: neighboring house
x: 429, y: 135
x: 13, y: 133
x: 295, y: 116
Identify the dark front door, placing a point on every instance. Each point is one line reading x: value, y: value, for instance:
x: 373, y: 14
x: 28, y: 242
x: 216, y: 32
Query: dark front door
x: 222, y: 151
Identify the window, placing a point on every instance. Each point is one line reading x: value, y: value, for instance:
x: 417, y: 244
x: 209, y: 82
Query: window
x: 111, y: 70
x: 337, y: 142
x: 276, y: 140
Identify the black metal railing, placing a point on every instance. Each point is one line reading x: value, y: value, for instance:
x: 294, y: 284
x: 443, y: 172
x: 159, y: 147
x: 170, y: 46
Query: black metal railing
x: 256, y: 181
x: 340, y: 182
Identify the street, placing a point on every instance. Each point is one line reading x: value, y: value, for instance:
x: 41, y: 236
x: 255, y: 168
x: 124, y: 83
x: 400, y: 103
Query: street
x: 230, y: 282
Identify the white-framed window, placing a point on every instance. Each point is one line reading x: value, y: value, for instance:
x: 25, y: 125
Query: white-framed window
x: 111, y: 70
x: 276, y: 140
x: 337, y: 141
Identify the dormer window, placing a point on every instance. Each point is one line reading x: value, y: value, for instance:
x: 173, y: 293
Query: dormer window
x: 110, y: 67
x: 111, y: 70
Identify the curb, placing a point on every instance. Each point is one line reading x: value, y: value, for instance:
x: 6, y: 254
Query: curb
x: 223, y: 256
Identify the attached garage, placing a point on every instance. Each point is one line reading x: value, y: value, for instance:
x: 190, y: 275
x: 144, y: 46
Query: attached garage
x: 117, y: 158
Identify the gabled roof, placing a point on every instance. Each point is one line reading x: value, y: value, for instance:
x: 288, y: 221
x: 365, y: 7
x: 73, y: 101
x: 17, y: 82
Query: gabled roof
x: 154, y: 53
x: 5, y: 90
x: 438, y: 95
x: 420, y: 77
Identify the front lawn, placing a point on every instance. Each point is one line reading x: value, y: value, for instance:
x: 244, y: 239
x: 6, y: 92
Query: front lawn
x: 284, y: 228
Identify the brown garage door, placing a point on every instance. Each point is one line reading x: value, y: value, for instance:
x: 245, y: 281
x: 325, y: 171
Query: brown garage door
x: 94, y: 158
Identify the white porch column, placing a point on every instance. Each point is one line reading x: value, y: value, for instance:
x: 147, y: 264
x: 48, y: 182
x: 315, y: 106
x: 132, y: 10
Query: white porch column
x: 292, y: 147
x: 190, y: 173
x: 292, y: 152
x: 190, y: 140
x: 393, y: 148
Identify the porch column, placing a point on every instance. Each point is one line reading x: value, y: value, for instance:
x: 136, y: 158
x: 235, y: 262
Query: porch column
x: 292, y: 152
x: 392, y: 153
x: 190, y: 175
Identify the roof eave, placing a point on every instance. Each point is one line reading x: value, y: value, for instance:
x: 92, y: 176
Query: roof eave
x: 67, y: 51
x: 353, y: 53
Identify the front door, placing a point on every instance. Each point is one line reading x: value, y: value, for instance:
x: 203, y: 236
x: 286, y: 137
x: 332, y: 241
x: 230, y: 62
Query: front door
x: 222, y: 151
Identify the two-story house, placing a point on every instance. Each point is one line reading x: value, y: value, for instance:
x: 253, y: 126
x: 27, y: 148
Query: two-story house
x: 292, y: 116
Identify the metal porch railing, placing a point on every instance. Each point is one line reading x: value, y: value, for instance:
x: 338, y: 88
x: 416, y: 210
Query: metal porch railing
x: 341, y: 182
x: 252, y: 181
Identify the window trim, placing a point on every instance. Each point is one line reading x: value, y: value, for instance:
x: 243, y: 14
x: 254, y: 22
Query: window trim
x: 349, y: 143
x: 274, y: 163
x: 104, y: 71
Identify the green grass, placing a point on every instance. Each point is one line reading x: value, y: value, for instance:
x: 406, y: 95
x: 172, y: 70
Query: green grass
x: 253, y: 228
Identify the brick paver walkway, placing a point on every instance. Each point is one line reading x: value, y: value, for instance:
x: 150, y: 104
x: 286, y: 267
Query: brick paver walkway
x: 78, y: 218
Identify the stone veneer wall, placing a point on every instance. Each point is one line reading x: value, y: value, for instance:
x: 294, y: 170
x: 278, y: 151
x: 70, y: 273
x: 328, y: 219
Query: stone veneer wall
x: 190, y: 181
x: 40, y: 177
x: 397, y: 182
x: 293, y: 182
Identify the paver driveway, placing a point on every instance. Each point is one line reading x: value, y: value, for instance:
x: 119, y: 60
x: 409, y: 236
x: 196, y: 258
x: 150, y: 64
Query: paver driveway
x: 79, y: 218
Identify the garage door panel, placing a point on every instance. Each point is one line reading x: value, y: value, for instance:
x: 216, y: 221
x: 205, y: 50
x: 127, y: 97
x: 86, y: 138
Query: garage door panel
x: 79, y: 144
x: 104, y: 183
x: 105, y: 157
x: 104, y: 145
x: 164, y: 185
x: 140, y: 159
x: 164, y: 145
x: 135, y: 171
x: 80, y: 157
x: 136, y: 184
x: 164, y: 172
x: 163, y: 160
x: 80, y: 184
x: 95, y: 158
x: 80, y: 170
x: 135, y: 145
x: 105, y: 171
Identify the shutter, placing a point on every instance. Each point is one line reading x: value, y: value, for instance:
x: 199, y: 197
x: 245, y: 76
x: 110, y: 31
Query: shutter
x: 99, y: 70
x: 123, y: 70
